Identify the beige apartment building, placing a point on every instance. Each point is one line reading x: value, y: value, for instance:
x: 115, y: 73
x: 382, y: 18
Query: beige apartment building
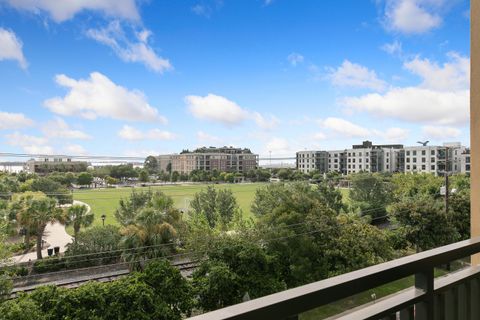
x: 226, y: 159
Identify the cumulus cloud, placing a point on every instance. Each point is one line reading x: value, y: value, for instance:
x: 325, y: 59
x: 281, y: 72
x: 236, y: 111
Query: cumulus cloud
x: 354, y: 75
x: 413, y: 16
x: 278, y: 147
x: 295, y: 59
x: 265, y: 122
x: 442, y: 98
x: 14, y: 121
x: 394, y: 48
x: 452, y: 75
x: 204, y: 137
x: 440, y: 132
x: 75, y: 149
x: 222, y: 110
x: 131, y: 133
x: 11, y: 48
x: 29, y: 144
x: 98, y: 96
x: 393, y: 134
x: 58, y: 128
x: 61, y: 11
x: 216, y: 108
x: 344, y: 127
x: 138, y: 50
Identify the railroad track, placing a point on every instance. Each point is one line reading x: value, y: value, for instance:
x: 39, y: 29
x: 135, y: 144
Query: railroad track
x: 74, y: 282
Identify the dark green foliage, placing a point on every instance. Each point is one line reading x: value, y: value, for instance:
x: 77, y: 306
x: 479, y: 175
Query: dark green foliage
x: 97, y: 240
x: 218, y: 206
x: 161, y: 293
x: 370, y: 194
x: 332, y: 197
x: 151, y: 164
x: 50, y: 264
x: 424, y: 223
x: 459, y: 212
x: 236, y: 268
x: 84, y: 179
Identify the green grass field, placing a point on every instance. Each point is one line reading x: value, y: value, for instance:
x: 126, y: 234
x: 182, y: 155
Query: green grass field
x: 105, y: 201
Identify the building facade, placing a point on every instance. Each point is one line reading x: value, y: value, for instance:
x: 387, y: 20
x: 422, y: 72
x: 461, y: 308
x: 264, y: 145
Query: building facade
x: 49, y: 165
x: 367, y: 157
x: 224, y: 159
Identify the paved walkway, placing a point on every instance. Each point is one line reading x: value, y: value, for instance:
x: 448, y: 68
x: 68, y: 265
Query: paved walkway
x: 55, y: 235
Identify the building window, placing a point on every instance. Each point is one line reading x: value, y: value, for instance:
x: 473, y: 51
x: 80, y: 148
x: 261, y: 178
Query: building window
x: 423, y: 152
x: 424, y: 167
x: 432, y: 167
x: 414, y: 160
x: 424, y: 160
x: 432, y: 152
x: 408, y: 153
x: 408, y: 167
x: 414, y: 152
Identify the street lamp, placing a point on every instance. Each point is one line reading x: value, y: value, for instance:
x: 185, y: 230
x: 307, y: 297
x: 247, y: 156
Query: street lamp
x: 103, y: 219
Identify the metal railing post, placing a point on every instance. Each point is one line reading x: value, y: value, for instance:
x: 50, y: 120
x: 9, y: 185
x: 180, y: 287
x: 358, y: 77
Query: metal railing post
x: 424, y: 281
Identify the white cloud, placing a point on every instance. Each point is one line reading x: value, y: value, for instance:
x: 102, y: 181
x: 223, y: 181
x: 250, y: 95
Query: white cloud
x: 440, y: 132
x: 413, y: 16
x: 29, y: 144
x: 415, y: 105
x: 393, y: 134
x: 130, y: 51
x: 76, y: 150
x: 208, y: 138
x: 266, y: 123
x: 131, y: 133
x: 143, y: 153
x: 222, y: 110
x: 319, y: 136
x: 295, y: 58
x: 216, y: 108
x: 11, y: 48
x: 441, y: 99
x: 98, y: 96
x: 202, y: 10
x: 344, y: 127
x: 61, y: 11
x: 13, y: 121
x: 394, y: 48
x: 452, y: 75
x: 354, y: 75
x: 58, y: 128
x: 278, y: 147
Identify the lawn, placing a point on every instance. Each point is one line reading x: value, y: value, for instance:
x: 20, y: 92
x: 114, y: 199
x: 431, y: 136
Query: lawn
x: 105, y: 201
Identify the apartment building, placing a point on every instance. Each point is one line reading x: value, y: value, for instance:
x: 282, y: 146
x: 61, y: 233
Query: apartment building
x: 434, y: 159
x: 309, y: 161
x: 49, y: 165
x: 164, y: 161
x: 367, y: 157
x: 225, y: 159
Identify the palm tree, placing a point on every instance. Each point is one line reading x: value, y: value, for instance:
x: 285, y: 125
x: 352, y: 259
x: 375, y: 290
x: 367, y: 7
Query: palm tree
x: 41, y: 212
x: 79, y: 216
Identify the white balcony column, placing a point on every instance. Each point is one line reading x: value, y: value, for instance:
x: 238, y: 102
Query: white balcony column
x: 475, y: 121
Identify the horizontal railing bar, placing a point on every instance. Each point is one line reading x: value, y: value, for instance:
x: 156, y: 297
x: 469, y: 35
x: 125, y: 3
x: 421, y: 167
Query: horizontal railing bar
x: 453, y: 279
x: 390, y: 304
x: 297, y: 300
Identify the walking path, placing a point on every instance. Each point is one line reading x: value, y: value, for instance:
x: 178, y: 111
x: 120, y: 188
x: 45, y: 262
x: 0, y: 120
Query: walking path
x: 55, y: 235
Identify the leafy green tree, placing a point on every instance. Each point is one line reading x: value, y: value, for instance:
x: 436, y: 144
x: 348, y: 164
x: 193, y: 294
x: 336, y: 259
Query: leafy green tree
x: 52, y: 189
x: 110, y: 180
x: 423, y: 222
x: 21, y: 309
x: 85, y: 179
x: 151, y: 164
x: 174, y: 176
x: 152, y: 227
x: 94, y: 246
x: 123, y: 171
x: 41, y: 212
x: 459, y: 212
x: 218, y: 206
x: 128, y: 208
x: 331, y: 196
x: 78, y: 216
x: 143, y: 176
x: 412, y: 185
x: 370, y: 194
x: 5, y: 282
x: 235, y: 268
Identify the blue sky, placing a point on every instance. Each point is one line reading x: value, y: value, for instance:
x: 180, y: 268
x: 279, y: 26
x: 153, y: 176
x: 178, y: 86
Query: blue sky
x: 110, y: 77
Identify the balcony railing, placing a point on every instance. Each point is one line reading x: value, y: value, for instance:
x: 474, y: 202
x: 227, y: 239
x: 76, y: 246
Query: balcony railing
x: 452, y: 297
